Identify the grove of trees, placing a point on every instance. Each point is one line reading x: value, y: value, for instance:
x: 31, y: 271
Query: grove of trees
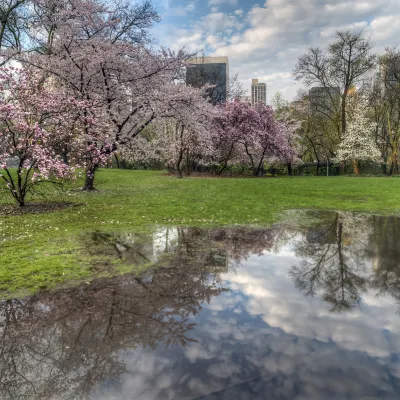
x: 356, y: 117
x: 83, y: 83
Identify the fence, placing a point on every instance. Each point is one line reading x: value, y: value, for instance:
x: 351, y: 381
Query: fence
x: 305, y: 169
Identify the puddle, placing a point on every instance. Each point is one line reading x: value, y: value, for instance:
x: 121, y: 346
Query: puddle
x: 294, y: 311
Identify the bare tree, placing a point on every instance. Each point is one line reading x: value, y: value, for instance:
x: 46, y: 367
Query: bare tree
x: 344, y: 65
x: 317, y: 134
x: 329, y: 266
x: 384, y: 102
x: 14, y: 22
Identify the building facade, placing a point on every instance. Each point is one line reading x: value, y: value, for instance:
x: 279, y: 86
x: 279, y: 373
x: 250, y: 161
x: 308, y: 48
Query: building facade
x: 213, y: 71
x: 258, y: 92
x: 324, y: 101
x: 389, y: 74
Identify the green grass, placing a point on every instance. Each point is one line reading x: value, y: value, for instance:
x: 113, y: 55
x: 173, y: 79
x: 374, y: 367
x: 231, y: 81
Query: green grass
x: 43, y: 251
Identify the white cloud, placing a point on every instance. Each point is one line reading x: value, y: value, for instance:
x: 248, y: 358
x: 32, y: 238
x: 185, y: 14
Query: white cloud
x: 180, y: 11
x: 329, y: 32
x: 264, y: 336
x: 385, y: 28
x: 219, y: 22
x: 266, y: 280
x: 266, y: 41
x: 220, y: 2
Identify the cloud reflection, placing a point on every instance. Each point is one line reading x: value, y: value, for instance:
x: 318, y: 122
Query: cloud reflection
x: 292, y: 311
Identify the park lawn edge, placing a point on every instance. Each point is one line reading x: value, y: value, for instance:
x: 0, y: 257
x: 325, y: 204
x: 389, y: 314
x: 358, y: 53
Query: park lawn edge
x: 44, y: 251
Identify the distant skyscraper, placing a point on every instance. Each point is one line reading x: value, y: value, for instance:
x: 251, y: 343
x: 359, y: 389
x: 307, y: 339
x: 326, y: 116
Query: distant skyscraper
x: 210, y: 70
x: 389, y: 73
x: 258, y: 92
x: 324, y: 101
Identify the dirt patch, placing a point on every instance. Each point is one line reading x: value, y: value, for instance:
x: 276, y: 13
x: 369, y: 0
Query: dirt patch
x: 35, y: 208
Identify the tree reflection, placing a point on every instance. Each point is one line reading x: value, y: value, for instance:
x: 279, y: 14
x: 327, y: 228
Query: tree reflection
x: 334, y: 261
x: 384, y: 250
x: 60, y: 344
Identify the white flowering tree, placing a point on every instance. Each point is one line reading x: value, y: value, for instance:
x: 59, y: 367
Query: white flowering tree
x: 358, y: 143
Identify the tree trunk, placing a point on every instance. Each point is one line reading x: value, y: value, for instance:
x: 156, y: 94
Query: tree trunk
x: 355, y: 167
x: 396, y: 164
x: 64, y: 156
x: 384, y: 168
x: 187, y: 164
x: 341, y: 167
x: 318, y: 168
x: 222, y: 168
x: 21, y: 185
x: 178, y: 164
x: 89, y: 179
x: 343, y: 115
x: 391, y: 169
x: 20, y: 197
x: 117, y: 160
x: 179, y: 171
x: 289, y: 169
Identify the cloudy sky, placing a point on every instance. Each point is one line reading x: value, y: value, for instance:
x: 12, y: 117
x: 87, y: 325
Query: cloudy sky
x: 263, y: 40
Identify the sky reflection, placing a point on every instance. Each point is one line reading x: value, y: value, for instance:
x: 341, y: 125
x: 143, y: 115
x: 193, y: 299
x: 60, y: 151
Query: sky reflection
x: 290, y: 312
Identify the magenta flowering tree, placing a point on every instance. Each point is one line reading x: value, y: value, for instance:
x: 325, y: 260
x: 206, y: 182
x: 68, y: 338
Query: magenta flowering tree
x: 269, y: 139
x: 34, y: 120
x: 248, y: 136
x: 233, y: 122
x: 261, y: 140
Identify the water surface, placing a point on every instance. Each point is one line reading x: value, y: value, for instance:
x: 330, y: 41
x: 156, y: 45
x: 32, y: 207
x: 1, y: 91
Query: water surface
x: 302, y: 310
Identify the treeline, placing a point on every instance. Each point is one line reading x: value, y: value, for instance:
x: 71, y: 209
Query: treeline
x: 82, y: 84
x: 349, y: 121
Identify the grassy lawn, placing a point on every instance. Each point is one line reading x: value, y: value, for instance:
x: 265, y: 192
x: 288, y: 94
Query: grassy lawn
x: 42, y: 251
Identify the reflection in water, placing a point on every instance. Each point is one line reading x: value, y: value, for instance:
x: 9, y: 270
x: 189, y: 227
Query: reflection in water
x: 221, y: 317
x: 333, y: 261
x: 384, y: 249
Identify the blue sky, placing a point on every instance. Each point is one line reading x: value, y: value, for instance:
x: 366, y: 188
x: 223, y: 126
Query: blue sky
x: 264, y: 39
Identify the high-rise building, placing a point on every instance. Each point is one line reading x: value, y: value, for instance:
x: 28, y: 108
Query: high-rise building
x: 258, y: 92
x: 389, y: 74
x: 213, y: 71
x: 324, y: 101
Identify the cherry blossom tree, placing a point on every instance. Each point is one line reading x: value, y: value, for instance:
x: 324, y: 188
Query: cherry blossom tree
x: 249, y: 135
x: 233, y: 122
x: 267, y: 138
x: 294, y: 147
x: 95, y: 53
x: 33, y: 119
x: 185, y: 127
x: 358, y: 143
x: 93, y: 146
x: 181, y: 131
